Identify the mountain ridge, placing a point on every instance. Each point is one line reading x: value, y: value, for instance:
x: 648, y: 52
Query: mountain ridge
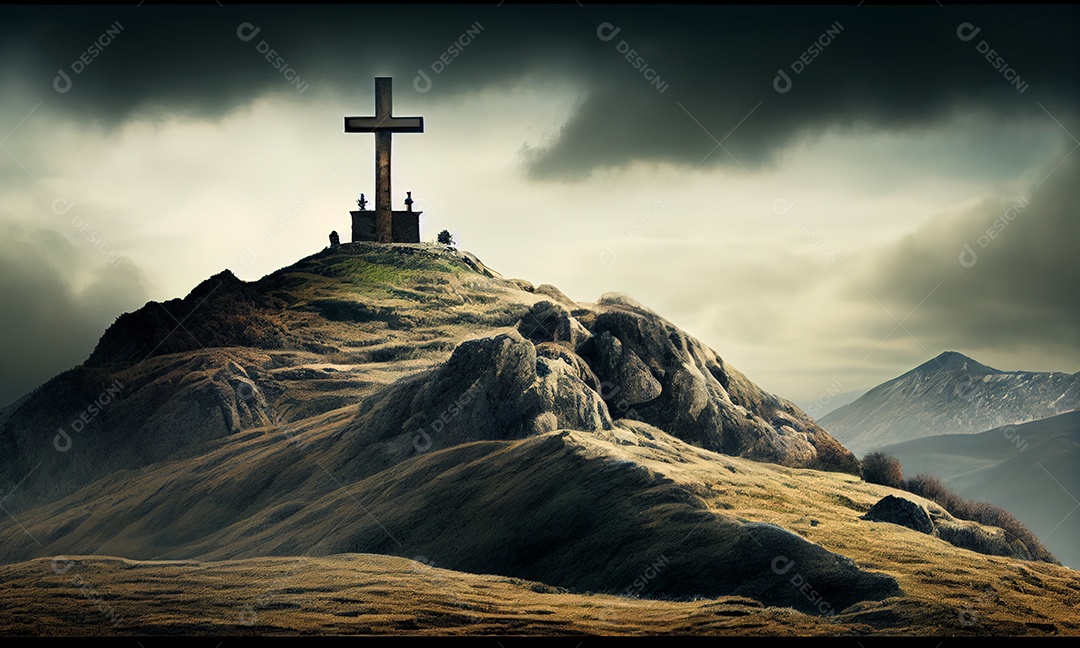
x: 950, y: 394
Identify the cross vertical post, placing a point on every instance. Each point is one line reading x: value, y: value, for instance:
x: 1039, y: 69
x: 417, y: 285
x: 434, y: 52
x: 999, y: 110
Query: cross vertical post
x: 384, y: 102
x: 383, y: 125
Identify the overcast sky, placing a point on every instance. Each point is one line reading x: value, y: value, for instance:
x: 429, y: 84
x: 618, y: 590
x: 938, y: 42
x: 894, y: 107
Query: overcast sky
x: 806, y: 190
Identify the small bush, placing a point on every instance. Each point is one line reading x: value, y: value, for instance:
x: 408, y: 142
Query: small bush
x: 982, y: 512
x: 884, y: 469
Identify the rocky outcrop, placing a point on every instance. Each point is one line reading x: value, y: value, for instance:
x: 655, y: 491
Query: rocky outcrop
x: 549, y: 322
x: 230, y: 313
x: 650, y: 370
x: 897, y: 510
x: 494, y: 388
x: 937, y: 522
x: 86, y: 422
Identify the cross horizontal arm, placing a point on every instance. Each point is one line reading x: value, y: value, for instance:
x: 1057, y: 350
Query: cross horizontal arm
x: 384, y: 125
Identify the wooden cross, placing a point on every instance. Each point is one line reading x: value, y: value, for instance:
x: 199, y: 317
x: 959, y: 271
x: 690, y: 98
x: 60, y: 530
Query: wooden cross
x: 384, y: 125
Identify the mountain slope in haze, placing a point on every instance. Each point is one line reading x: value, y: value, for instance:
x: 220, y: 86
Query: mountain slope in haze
x: 1031, y: 470
x: 829, y: 402
x: 950, y: 394
x: 407, y: 400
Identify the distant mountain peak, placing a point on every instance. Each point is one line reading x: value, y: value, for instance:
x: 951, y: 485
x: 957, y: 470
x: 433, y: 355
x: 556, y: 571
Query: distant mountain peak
x: 953, y: 362
x: 950, y: 394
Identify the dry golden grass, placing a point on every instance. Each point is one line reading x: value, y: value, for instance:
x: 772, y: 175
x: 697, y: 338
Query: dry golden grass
x: 347, y: 594
x: 266, y: 490
x: 947, y: 590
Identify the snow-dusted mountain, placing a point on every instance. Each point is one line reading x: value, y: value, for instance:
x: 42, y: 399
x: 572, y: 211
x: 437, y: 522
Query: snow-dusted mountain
x: 950, y: 394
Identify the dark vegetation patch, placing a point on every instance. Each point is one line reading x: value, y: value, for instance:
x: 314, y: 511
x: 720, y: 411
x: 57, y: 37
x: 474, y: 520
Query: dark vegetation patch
x: 886, y: 470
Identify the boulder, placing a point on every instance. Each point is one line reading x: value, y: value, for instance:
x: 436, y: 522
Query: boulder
x: 492, y: 388
x: 550, y: 322
x: 898, y: 510
x: 625, y: 378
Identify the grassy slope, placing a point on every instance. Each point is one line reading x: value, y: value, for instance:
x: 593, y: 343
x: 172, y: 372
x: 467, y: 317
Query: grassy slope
x: 1029, y: 470
x: 948, y: 590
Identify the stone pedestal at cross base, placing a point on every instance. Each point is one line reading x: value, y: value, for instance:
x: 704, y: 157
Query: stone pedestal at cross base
x: 406, y: 226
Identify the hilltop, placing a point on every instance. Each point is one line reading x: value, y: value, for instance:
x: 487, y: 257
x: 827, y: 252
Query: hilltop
x: 373, y: 410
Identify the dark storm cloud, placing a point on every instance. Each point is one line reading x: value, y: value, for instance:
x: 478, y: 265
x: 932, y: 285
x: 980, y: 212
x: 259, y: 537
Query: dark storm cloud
x: 47, y: 320
x: 881, y: 68
x: 1003, y: 274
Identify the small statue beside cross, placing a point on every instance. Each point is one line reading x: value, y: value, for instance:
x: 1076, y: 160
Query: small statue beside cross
x: 362, y: 203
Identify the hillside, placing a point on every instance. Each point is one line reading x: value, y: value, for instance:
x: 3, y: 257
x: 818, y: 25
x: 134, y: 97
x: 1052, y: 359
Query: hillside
x: 1031, y: 470
x: 372, y: 405
x: 950, y: 394
x: 337, y: 327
